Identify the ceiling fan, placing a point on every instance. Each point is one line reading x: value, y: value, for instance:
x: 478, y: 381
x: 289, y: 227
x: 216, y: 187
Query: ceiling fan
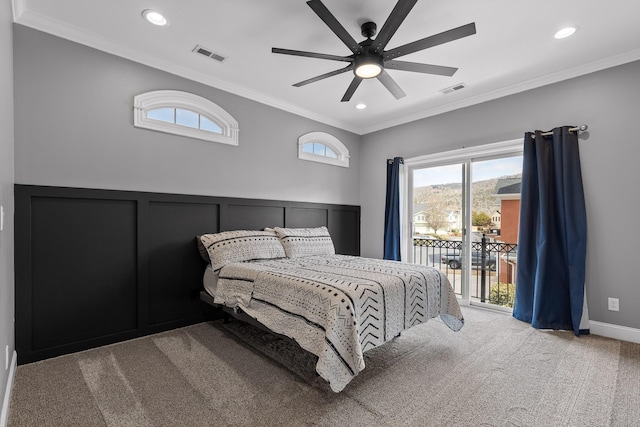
x: 369, y: 59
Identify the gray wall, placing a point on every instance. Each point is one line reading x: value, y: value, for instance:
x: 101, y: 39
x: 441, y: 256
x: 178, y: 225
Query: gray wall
x: 74, y: 128
x: 608, y: 102
x: 6, y: 191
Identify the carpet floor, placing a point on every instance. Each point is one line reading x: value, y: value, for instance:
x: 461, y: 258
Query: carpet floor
x: 497, y: 371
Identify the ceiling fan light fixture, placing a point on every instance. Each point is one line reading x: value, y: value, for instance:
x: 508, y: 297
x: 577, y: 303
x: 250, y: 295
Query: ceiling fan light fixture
x: 369, y: 57
x: 368, y: 67
x: 368, y: 71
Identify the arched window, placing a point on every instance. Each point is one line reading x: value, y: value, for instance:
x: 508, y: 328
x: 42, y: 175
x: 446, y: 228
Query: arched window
x: 186, y: 114
x: 324, y: 148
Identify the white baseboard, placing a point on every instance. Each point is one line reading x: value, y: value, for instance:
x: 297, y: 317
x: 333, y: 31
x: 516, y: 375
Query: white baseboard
x: 618, y: 332
x: 4, y: 415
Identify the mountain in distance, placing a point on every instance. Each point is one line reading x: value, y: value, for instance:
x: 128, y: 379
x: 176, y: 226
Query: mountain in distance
x: 449, y: 196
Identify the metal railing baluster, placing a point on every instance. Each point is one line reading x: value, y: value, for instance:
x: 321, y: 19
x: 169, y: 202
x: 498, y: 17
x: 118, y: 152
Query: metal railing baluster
x: 487, y: 257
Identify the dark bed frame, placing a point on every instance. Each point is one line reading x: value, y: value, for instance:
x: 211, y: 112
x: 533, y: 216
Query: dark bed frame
x: 94, y: 267
x: 228, y: 314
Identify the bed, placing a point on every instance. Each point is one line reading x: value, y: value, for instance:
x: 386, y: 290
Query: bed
x: 335, y: 306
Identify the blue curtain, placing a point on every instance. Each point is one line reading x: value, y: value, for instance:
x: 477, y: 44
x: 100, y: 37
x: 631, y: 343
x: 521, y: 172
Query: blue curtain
x: 552, y: 238
x: 392, y: 211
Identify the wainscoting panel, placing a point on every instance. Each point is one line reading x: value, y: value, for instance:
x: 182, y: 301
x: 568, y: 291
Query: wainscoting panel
x: 243, y: 216
x: 316, y: 217
x: 345, y: 225
x: 95, y: 267
x: 175, y: 275
x: 83, y: 253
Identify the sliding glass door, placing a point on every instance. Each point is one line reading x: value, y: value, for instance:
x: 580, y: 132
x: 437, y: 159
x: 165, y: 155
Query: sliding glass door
x: 464, y: 217
x: 437, y: 218
x: 495, y: 216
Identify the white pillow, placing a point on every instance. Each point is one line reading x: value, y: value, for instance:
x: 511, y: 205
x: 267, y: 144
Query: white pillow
x: 300, y: 242
x: 241, y: 245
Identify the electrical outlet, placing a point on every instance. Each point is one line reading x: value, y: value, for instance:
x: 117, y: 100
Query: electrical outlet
x: 614, y: 304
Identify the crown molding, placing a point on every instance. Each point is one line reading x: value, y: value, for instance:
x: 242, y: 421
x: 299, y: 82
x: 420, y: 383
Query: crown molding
x: 40, y: 22
x: 19, y: 6
x: 609, y: 62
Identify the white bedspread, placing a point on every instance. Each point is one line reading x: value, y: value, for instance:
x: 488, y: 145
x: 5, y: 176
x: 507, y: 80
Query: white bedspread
x: 338, y: 306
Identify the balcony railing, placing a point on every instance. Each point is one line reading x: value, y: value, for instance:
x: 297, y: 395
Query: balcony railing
x: 493, y: 266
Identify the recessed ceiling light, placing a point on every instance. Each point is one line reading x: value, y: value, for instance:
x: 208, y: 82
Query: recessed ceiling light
x: 361, y: 106
x: 565, y: 32
x: 156, y: 18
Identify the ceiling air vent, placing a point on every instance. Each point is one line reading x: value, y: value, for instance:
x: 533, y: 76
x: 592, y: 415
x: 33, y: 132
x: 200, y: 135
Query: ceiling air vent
x: 209, y: 53
x: 453, y: 88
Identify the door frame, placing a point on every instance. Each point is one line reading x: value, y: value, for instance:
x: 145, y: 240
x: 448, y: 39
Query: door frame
x: 464, y: 156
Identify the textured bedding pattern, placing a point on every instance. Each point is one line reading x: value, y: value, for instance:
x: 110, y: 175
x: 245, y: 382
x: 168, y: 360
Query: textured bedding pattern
x: 338, y: 306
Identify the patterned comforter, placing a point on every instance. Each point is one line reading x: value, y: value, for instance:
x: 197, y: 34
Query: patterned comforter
x: 338, y: 306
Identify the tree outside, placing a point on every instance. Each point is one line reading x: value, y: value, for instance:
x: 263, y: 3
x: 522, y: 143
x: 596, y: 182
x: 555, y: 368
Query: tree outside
x: 481, y: 219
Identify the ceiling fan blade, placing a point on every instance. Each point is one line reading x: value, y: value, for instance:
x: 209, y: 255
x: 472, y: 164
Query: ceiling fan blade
x: 351, y: 89
x: 391, y: 85
x: 420, y: 68
x: 311, y: 54
x: 325, y: 75
x: 391, y: 25
x: 427, y: 42
x: 321, y: 10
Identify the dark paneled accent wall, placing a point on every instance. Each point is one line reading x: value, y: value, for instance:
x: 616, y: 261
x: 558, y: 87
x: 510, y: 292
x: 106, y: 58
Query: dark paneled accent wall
x: 95, y: 267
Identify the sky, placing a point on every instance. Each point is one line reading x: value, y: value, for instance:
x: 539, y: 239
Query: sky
x: 482, y: 170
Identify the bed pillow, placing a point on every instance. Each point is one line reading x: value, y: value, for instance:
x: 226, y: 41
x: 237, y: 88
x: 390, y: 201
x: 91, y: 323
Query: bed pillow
x: 241, y: 245
x: 298, y: 242
x: 202, y: 250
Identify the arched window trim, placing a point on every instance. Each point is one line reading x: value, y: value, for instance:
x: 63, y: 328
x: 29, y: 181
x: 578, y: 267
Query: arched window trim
x: 184, y: 100
x: 330, y: 141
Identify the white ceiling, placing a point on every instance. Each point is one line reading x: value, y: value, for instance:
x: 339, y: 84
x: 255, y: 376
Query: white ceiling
x: 513, y: 50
